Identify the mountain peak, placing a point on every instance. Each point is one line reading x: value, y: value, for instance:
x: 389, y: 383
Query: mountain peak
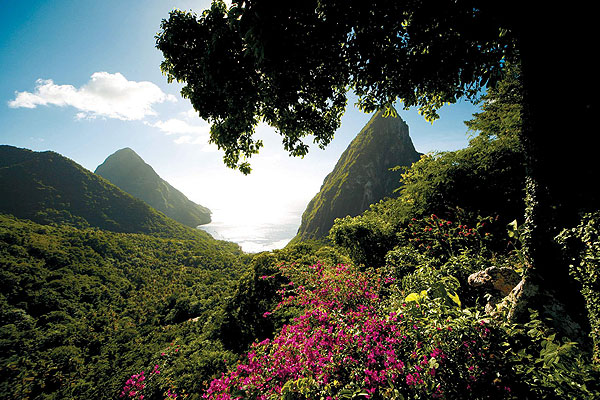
x: 126, y: 151
x: 124, y: 155
x: 384, y: 119
x: 127, y: 170
x: 47, y: 187
x: 361, y: 176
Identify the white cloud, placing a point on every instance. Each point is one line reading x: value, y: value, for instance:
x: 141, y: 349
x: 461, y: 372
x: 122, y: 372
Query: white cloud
x: 186, y: 132
x: 82, y: 115
x: 197, y: 140
x: 105, y: 95
x: 190, y: 114
x: 187, y: 139
x: 177, y: 126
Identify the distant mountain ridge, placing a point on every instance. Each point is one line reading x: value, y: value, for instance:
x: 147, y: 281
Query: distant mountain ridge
x: 361, y: 176
x: 127, y: 170
x: 48, y: 188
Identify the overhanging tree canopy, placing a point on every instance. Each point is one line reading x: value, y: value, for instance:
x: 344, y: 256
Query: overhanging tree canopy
x: 290, y: 64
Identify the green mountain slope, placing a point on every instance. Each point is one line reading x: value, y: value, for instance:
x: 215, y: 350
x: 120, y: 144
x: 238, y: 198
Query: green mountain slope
x: 361, y: 176
x: 127, y: 170
x: 46, y: 187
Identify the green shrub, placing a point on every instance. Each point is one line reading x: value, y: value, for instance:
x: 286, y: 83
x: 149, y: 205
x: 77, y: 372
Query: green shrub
x: 365, y: 239
x: 440, y: 238
x: 550, y: 367
x: 403, y: 260
x: 581, y: 246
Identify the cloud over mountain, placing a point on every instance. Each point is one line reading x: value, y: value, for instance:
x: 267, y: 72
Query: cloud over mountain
x: 104, y: 95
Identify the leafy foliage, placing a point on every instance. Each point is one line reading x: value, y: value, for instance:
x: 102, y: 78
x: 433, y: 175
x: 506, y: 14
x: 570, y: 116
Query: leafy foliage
x: 581, y: 246
x: 291, y: 64
x: 356, y: 335
x: 399, y: 332
x: 243, y: 319
x: 486, y: 178
x: 256, y: 294
x: 366, y: 240
x: 552, y: 367
x: 82, y: 308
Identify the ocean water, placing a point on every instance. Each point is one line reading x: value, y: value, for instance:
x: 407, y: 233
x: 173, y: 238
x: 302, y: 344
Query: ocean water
x: 253, y: 234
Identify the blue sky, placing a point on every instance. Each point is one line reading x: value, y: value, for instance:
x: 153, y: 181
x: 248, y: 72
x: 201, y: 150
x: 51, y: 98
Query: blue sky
x: 82, y: 78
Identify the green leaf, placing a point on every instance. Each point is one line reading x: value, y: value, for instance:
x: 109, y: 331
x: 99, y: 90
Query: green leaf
x: 513, y: 229
x: 412, y: 297
x: 454, y: 298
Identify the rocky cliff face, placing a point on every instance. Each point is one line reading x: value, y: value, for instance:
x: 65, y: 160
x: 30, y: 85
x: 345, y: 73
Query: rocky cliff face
x: 127, y: 170
x: 361, y: 176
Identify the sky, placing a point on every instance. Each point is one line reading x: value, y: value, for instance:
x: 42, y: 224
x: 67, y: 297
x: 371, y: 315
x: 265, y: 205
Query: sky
x: 82, y: 78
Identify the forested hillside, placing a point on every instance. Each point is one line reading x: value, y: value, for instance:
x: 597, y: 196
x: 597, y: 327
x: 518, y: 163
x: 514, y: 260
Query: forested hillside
x: 128, y: 171
x: 83, y: 308
x: 479, y: 280
x: 46, y: 187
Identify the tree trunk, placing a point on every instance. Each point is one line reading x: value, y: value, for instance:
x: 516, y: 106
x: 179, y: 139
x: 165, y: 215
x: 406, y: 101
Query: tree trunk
x: 561, y: 167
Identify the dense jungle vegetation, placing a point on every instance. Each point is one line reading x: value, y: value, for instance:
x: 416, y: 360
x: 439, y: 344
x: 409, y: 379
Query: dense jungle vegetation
x: 81, y: 307
x: 382, y: 309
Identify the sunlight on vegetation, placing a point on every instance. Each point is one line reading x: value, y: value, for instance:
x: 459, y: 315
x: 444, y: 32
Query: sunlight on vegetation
x: 477, y: 279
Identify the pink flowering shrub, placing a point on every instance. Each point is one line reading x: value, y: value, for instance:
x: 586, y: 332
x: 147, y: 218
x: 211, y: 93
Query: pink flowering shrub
x: 351, y: 340
x: 134, y: 386
x: 155, y: 384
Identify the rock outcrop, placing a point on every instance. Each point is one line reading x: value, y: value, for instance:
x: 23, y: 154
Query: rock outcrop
x: 500, y: 279
x: 497, y: 281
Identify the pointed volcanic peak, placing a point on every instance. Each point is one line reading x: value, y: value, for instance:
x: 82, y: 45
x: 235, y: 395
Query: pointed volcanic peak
x: 361, y: 176
x: 127, y: 170
x: 48, y: 188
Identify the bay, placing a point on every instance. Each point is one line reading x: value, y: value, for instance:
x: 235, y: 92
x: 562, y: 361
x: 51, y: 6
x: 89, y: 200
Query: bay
x: 252, y: 234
